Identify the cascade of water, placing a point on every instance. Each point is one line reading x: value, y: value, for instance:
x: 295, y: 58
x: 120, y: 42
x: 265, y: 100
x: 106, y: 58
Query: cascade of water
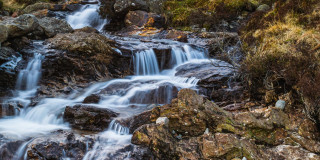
x: 87, y: 16
x: 28, y: 78
x: 187, y: 53
x: 146, y: 63
x: 149, y: 86
x: 109, y: 142
x: 21, y: 153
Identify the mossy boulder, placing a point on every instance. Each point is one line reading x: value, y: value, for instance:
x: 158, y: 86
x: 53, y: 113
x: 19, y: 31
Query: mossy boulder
x: 190, y: 114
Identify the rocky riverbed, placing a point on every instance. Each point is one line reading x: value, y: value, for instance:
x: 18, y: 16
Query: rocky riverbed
x: 111, y: 80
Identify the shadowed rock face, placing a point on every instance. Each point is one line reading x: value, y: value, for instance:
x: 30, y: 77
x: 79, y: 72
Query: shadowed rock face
x: 8, y: 148
x: 217, y: 80
x: 88, y: 117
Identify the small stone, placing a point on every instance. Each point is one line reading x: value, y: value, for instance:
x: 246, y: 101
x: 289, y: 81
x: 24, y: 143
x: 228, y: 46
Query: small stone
x: 263, y: 8
x: 162, y: 121
x: 179, y: 137
x: 206, y: 131
x: 280, y: 104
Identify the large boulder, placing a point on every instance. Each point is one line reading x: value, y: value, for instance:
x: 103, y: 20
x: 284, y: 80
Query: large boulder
x: 81, y: 58
x: 21, y: 25
x: 190, y: 114
x: 53, y: 26
x: 83, y: 43
x: 37, y: 6
x: 88, y: 117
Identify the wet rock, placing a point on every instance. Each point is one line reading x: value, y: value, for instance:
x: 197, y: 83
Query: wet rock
x: 8, y: 148
x: 53, y: 26
x: 160, y: 95
x: 281, y: 104
x: 88, y: 117
x: 144, y: 19
x: 58, y: 143
x: 21, y: 25
x: 7, y: 109
x: 7, y: 54
x: 94, y: 98
x: 7, y: 81
x: 215, y: 79
x: 210, y: 72
x: 124, y: 6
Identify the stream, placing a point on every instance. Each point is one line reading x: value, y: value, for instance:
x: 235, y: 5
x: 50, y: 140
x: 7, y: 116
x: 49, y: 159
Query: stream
x: 151, y: 84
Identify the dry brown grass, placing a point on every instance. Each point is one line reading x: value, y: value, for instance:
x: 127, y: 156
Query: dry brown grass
x: 283, y: 52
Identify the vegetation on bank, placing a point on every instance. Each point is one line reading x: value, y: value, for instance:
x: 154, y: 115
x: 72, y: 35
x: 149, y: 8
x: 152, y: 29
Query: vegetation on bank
x: 208, y: 13
x: 282, y: 49
x: 16, y: 5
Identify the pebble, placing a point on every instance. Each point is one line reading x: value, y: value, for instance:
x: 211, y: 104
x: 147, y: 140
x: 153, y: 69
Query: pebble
x: 281, y: 104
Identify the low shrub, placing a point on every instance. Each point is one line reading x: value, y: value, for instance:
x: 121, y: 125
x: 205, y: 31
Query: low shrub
x: 207, y: 13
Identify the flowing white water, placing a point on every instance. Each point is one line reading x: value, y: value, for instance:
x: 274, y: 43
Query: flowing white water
x: 109, y: 142
x: 21, y: 152
x: 181, y: 55
x: 146, y: 63
x: 88, y: 15
x: 128, y: 97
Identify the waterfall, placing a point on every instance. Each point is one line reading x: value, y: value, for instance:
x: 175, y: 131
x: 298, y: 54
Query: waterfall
x: 146, y: 63
x: 87, y: 16
x: 187, y: 53
x: 21, y: 152
x: 28, y: 78
x: 109, y: 142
